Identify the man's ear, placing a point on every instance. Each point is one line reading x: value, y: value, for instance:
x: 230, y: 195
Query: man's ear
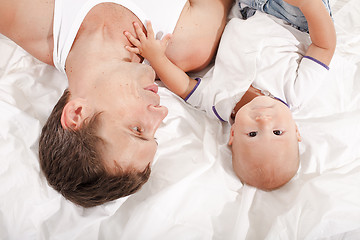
x: 231, y: 139
x: 74, y: 113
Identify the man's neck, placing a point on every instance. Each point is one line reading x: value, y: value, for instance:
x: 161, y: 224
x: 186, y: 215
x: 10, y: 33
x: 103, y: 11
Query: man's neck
x: 100, y: 40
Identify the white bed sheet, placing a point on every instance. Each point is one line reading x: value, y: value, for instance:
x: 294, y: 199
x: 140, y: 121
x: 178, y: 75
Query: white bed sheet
x: 193, y: 192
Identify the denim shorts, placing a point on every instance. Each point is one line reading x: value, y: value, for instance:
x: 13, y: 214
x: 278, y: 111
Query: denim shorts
x: 282, y: 10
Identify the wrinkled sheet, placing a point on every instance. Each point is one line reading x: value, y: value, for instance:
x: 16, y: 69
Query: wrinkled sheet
x: 193, y: 192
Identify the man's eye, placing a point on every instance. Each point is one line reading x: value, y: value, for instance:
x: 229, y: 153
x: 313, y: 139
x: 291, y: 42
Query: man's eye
x: 137, y: 129
x: 252, y: 134
x: 278, y: 132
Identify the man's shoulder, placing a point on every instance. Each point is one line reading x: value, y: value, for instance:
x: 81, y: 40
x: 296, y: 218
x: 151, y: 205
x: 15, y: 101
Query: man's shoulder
x: 33, y: 20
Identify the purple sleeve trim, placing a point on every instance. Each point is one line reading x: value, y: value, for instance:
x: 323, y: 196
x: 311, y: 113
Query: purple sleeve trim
x: 317, y: 61
x: 282, y: 101
x: 217, y: 115
x: 192, y: 91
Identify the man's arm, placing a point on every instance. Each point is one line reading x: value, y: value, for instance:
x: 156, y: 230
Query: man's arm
x: 321, y: 29
x: 154, y: 51
x: 7, y: 10
x: 29, y: 24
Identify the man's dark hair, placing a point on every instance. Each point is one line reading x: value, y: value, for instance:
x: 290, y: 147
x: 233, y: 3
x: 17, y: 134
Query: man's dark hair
x: 72, y: 162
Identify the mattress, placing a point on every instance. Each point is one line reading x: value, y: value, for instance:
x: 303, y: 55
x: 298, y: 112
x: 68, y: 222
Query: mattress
x: 193, y: 192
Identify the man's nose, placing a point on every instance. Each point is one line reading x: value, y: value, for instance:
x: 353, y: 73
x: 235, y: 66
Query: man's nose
x: 157, y: 114
x: 160, y: 112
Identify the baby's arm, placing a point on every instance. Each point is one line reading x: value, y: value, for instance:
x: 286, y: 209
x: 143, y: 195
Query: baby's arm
x: 321, y: 29
x: 154, y: 51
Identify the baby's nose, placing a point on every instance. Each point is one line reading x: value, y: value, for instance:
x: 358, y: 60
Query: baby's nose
x: 263, y: 118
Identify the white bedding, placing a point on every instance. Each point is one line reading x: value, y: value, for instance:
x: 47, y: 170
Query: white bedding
x: 193, y: 192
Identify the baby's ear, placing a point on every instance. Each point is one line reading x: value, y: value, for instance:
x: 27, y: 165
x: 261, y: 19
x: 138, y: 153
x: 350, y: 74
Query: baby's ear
x: 231, y: 139
x: 298, y: 133
x: 74, y: 113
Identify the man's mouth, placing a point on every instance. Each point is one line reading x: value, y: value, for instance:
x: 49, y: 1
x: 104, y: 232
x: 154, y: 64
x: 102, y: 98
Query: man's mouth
x: 153, y: 87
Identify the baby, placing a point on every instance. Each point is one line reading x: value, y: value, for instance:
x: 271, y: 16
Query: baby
x: 264, y: 140
x: 264, y: 136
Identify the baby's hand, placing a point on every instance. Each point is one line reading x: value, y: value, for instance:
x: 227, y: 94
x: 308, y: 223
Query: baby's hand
x: 147, y: 46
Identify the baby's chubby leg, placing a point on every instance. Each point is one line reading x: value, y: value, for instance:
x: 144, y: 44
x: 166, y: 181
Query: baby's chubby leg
x: 197, y: 33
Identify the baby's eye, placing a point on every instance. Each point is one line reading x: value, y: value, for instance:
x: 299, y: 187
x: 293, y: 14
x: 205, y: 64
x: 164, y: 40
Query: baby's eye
x: 252, y: 134
x: 278, y: 132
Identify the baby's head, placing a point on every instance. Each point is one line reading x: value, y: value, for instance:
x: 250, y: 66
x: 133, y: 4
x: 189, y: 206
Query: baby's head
x: 264, y: 140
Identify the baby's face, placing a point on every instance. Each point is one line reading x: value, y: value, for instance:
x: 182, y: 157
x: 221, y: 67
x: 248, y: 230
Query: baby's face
x: 263, y: 117
x: 264, y: 137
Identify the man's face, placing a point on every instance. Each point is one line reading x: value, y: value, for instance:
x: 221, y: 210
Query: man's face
x: 131, y: 114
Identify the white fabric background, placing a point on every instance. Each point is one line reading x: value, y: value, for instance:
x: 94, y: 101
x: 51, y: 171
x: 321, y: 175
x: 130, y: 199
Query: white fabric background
x: 193, y: 192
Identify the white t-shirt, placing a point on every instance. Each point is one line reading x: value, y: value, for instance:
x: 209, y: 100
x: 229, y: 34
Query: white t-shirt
x: 263, y: 52
x: 69, y: 14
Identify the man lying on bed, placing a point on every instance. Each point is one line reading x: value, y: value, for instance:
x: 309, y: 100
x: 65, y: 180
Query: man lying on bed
x: 98, y: 143
x: 264, y: 137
